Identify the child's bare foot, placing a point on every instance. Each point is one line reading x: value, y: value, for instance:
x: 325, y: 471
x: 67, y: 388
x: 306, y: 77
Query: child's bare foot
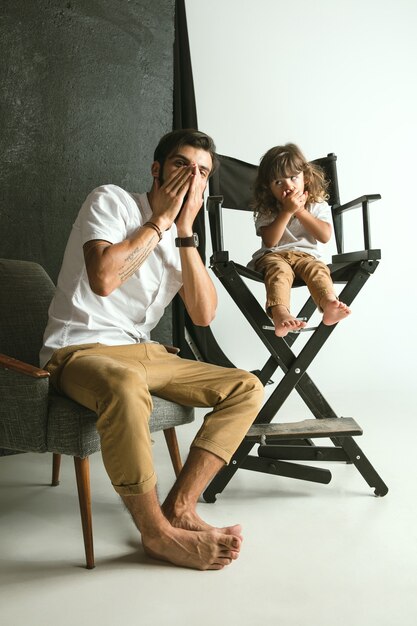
x: 334, y: 311
x: 284, y: 322
x: 201, y: 550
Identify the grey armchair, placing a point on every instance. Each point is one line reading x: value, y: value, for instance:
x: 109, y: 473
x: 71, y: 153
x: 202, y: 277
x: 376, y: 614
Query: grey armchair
x: 34, y: 418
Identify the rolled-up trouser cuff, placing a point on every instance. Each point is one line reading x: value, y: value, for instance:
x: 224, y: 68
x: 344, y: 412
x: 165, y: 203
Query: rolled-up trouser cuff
x: 212, y: 447
x: 138, y: 489
x: 276, y: 302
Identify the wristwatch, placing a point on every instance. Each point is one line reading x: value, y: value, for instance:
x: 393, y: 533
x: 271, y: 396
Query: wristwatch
x: 187, y: 242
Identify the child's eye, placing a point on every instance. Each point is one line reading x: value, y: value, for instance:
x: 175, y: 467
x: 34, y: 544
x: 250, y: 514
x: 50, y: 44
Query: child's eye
x: 294, y: 177
x: 278, y: 182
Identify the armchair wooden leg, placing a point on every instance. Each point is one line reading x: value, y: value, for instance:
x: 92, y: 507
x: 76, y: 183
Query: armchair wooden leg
x: 174, y: 451
x: 56, y: 466
x: 82, y: 472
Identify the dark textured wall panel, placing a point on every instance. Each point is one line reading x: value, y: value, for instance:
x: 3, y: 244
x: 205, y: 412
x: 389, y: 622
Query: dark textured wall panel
x: 86, y: 92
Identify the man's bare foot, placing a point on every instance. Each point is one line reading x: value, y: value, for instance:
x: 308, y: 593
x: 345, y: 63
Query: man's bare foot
x: 189, y: 520
x: 334, y: 311
x: 202, y: 550
x: 284, y: 322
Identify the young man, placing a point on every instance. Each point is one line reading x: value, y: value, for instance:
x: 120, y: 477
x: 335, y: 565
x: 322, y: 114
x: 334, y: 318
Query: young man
x: 126, y: 258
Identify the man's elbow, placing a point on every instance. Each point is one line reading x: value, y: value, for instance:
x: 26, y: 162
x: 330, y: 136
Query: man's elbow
x: 204, y: 319
x: 100, y: 287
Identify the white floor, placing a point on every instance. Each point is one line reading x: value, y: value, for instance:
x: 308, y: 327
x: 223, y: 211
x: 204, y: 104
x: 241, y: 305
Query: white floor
x: 312, y: 554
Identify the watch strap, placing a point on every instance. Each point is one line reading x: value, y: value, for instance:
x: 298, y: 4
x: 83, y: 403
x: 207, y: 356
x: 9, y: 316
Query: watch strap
x: 187, y: 242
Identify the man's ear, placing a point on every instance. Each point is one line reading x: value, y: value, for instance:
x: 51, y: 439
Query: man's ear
x: 155, y: 169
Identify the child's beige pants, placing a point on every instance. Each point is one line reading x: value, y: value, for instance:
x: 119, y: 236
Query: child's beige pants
x: 117, y: 381
x: 280, y: 269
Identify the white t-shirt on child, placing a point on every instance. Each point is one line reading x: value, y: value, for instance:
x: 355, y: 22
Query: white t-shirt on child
x: 295, y: 236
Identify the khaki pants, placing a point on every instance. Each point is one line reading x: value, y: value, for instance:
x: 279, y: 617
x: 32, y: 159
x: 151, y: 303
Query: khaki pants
x: 280, y: 269
x: 117, y: 381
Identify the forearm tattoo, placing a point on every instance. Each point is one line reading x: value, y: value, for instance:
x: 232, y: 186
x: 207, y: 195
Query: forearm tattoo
x: 135, y: 259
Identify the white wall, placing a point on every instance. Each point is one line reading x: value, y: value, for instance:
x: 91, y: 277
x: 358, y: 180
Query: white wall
x: 333, y: 77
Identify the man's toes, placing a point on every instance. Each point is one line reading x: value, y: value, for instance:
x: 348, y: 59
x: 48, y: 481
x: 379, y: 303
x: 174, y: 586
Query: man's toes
x: 231, y: 542
x: 216, y: 566
x: 229, y: 554
x: 223, y: 561
x: 235, y: 530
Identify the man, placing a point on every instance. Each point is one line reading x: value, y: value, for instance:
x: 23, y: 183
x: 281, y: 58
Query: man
x: 126, y: 258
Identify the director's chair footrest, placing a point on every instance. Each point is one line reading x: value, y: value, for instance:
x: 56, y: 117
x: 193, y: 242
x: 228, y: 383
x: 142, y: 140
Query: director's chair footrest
x: 288, y: 470
x: 311, y: 428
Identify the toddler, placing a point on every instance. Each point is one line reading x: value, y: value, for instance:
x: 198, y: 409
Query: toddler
x: 292, y: 216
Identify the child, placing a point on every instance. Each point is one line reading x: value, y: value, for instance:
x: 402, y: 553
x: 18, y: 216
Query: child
x: 292, y: 216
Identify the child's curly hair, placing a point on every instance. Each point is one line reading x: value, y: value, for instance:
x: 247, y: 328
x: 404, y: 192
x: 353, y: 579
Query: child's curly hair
x: 283, y: 162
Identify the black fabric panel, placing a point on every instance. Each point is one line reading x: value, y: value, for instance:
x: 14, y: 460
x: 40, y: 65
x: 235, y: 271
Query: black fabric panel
x: 86, y: 93
x: 185, y: 116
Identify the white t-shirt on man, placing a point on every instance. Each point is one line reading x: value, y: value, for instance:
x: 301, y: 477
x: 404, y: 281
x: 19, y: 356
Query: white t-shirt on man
x: 76, y: 314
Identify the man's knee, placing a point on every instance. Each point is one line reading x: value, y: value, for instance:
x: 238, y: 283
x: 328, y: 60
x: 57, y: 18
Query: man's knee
x: 249, y: 385
x: 250, y: 379
x: 255, y: 385
x: 127, y: 390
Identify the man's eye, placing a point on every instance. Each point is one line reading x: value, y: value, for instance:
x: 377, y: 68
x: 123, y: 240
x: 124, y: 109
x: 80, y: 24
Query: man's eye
x: 180, y: 163
x: 203, y: 173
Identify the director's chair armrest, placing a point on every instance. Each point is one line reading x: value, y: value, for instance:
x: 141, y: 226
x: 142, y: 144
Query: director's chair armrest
x: 357, y: 202
x: 214, y: 208
x: 24, y: 398
x: 355, y: 257
x: 338, y: 210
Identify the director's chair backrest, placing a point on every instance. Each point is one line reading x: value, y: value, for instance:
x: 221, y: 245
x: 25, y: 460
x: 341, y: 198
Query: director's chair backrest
x: 234, y: 180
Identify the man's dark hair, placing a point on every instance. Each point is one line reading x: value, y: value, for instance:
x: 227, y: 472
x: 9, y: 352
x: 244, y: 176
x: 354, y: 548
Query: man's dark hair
x: 172, y: 142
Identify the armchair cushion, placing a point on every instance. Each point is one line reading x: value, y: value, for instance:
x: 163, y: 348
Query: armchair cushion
x: 72, y: 427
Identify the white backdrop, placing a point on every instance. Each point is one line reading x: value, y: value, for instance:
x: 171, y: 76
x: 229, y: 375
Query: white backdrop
x: 332, y: 77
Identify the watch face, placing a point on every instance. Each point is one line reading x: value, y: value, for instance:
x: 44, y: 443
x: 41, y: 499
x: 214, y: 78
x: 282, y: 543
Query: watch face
x: 196, y: 240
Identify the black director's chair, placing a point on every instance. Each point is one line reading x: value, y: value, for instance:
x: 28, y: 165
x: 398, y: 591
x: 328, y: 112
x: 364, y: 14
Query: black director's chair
x: 281, y: 444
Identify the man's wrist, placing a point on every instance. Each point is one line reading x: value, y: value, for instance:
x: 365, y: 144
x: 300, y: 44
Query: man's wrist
x: 161, y: 222
x: 184, y: 232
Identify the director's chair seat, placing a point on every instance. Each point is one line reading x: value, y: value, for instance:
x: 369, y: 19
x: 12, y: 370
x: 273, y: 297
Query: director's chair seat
x: 279, y: 444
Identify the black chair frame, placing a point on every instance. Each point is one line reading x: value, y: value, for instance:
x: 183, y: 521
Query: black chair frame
x: 230, y: 187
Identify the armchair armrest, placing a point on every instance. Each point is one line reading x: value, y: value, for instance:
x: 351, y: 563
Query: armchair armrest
x: 24, y: 397
x: 338, y: 211
x: 8, y: 362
